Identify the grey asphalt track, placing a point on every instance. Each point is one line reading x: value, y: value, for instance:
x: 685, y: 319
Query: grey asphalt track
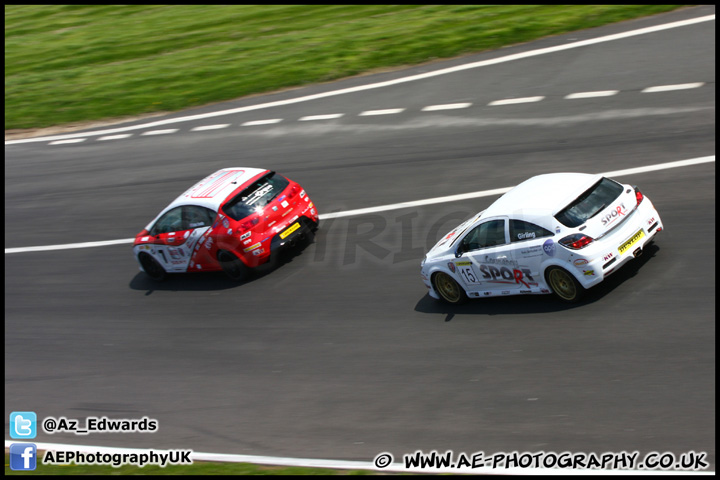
x: 339, y: 353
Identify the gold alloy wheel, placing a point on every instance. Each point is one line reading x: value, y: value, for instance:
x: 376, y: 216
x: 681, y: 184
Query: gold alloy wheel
x: 563, y: 284
x: 447, y: 287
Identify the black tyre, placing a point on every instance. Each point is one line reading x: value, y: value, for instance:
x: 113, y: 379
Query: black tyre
x: 152, y: 267
x: 564, y: 285
x: 448, y: 289
x: 233, y: 267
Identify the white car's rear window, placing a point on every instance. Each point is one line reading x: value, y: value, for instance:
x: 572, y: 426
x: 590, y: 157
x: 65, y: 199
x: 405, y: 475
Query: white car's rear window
x: 590, y: 203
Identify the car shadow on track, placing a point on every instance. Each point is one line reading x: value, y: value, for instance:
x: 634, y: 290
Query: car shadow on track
x: 528, y: 304
x: 213, y: 281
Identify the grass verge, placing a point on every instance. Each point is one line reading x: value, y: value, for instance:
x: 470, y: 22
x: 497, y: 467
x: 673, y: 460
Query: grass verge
x: 77, y: 63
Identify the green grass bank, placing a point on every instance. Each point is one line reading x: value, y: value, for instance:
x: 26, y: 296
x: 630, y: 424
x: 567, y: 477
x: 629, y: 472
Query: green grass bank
x: 68, y: 64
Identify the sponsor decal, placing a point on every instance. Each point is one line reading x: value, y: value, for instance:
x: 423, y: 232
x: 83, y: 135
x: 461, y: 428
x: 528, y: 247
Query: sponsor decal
x: 209, y: 243
x: 618, y: 212
x: 284, y: 204
x: 544, y: 290
x: 258, y: 194
x: 451, y: 266
x: 532, y: 252
x: 226, y: 223
x: 187, y: 234
x: 258, y: 251
x: 229, y: 232
x: 144, y: 239
x: 282, y: 198
x: 580, y: 262
x: 463, y: 263
x: 589, y: 272
x: 252, y: 247
x: 196, y: 224
x: 525, y: 235
x: 651, y: 221
x: 275, y: 208
x: 312, y: 210
x: 632, y: 241
x: 505, y: 292
x: 525, y: 291
x: 475, y: 294
x: 290, y: 230
x: 302, y: 193
x: 487, y: 294
x: 505, y: 275
x: 608, y: 256
x: 500, y: 261
x: 557, y: 229
x: 549, y: 247
x: 245, y: 242
x: 246, y: 235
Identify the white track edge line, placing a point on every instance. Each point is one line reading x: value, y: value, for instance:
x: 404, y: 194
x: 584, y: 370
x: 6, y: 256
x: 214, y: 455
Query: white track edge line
x: 421, y: 76
x: 394, y: 206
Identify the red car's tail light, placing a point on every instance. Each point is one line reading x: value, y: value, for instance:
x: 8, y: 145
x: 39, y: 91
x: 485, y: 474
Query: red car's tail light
x: 293, y: 191
x: 638, y: 195
x: 576, y: 241
x: 248, y: 224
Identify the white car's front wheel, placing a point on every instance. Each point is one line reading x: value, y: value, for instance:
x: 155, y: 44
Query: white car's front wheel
x: 564, y: 285
x: 448, y: 289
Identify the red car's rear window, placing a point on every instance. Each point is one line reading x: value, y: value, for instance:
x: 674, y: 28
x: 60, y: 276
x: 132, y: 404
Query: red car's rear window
x: 256, y: 196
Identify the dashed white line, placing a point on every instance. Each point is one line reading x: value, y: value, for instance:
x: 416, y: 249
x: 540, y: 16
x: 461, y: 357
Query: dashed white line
x: 160, y: 132
x: 72, y: 140
x: 210, y: 127
x: 387, y: 111
x: 115, y: 137
x: 262, y: 122
x: 397, y: 81
x: 512, y: 101
x: 602, y: 93
x: 328, y: 116
x: 667, y: 88
x: 448, y: 106
x: 395, y: 206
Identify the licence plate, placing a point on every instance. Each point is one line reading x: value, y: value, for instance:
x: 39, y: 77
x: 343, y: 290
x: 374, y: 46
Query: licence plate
x: 632, y: 241
x: 290, y: 230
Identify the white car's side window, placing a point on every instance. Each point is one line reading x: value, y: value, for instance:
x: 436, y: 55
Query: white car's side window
x: 488, y: 234
x: 522, y: 231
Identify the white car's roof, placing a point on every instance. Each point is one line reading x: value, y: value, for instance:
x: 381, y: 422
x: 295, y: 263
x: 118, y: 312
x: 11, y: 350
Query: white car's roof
x: 213, y: 190
x: 542, y: 196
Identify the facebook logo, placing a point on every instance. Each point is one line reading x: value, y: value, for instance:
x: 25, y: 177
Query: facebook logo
x: 23, y: 425
x: 23, y: 456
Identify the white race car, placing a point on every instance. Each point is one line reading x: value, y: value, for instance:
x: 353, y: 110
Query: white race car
x: 558, y: 233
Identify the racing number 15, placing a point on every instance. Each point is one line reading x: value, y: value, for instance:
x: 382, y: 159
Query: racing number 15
x: 468, y: 275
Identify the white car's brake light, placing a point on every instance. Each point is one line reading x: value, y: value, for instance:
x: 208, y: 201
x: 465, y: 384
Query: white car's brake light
x: 576, y: 241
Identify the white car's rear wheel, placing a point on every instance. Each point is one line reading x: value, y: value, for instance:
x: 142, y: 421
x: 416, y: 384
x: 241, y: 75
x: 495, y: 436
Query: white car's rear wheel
x: 448, y: 289
x: 564, y: 285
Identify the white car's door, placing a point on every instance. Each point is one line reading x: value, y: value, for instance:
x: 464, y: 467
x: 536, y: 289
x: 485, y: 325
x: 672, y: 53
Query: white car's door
x: 531, y: 245
x: 485, y: 263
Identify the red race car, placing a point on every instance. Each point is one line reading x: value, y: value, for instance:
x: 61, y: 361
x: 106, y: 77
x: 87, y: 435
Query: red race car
x: 233, y: 220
